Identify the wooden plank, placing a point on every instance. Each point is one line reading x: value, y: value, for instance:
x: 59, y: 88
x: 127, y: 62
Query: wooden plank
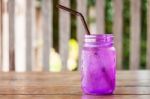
x: 64, y: 33
x: 115, y: 97
x: 117, y: 30
x: 100, y: 24
x: 46, y: 89
x: 123, y: 79
x: 30, y: 28
x: 121, y: 75
x: 5, y: 45
x: 148, y: 35
x: 47, y: 32
x: 74, y: 96
x: 20, y: 35
x: 81, y: 7
x: 0, y: 35
x: 11, y: 11
x: 135, y: 34
x: 68, y: 83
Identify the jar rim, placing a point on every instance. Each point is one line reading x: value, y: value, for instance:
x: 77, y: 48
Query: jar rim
x: 99, y: 40
x: 99, y: 36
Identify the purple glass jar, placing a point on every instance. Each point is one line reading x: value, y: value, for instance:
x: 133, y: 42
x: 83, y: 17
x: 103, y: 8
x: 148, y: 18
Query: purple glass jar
x: 98, y: 64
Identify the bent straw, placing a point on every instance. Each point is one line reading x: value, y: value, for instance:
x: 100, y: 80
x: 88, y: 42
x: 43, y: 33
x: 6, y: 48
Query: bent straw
x: 78, y: 14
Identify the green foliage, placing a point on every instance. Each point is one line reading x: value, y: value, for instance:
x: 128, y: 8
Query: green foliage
x: 91, y: 2
x: 143, y: 33
x: 73, y: 20
x: 126, y: 35
x: 55, y: 26
x: 108, y: 16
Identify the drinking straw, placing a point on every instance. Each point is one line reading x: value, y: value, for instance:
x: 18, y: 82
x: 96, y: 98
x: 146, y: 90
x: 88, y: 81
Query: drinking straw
x: 76, y: 13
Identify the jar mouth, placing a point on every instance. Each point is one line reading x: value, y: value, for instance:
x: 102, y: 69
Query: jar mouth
x: 99, y: 38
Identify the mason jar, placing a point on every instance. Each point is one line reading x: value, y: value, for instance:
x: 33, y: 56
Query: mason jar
x: 98, y: 64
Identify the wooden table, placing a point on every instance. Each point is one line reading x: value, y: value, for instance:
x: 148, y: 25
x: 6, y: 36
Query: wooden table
x: 66, y: 85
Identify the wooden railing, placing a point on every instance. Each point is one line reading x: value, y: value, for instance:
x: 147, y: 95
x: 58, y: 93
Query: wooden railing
x: 0, y: 33
x: 64, y: 31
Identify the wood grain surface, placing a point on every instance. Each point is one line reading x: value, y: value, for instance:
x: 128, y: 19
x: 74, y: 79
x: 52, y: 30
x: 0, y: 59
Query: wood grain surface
x: 47, y: 32
x: 100, y: 16
x: 118, y: 31
x: 66, y: 85
x: 148, y: 35
x: 135, y: 34
x: 64, y: 33
x: 11, y: 11
x: 1, y: 34
x: 30, y: 29
x: 74, y: 97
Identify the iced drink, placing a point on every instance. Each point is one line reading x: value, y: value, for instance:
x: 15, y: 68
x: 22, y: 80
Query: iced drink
x: 98, y: 64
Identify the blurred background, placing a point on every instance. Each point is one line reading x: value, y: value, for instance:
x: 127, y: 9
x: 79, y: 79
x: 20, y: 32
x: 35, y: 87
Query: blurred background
x: 101, y: 11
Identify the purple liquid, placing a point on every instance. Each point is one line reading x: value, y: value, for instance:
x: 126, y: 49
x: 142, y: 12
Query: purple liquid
x: 98, y: 65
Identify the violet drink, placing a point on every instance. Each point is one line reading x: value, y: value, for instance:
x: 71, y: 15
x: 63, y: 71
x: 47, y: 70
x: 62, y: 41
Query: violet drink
x: 98, y: 64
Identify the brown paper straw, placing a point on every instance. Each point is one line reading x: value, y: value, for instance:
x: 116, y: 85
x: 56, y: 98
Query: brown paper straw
x: 76, y: 14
